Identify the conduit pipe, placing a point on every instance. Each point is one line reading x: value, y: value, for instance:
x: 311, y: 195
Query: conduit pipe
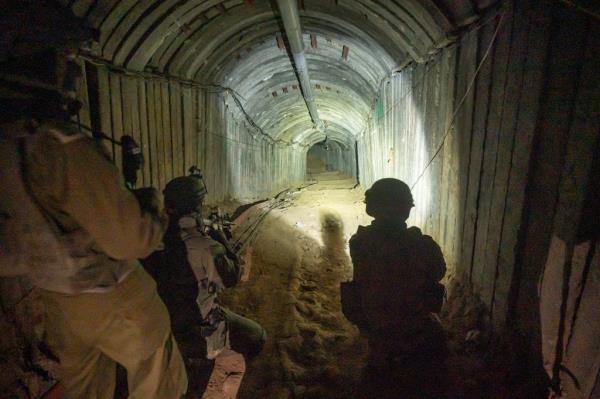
x: 293, y: 31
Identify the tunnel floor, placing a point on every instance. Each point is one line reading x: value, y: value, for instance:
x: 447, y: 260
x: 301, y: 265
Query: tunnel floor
x: 298, y: 259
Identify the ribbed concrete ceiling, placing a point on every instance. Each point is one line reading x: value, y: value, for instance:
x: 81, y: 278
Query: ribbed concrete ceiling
x: 237, y: 44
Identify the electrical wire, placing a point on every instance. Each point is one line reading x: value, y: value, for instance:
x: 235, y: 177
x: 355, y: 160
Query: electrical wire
x: 433, y: 61
x: 210, y: 88
x: 462, y: 100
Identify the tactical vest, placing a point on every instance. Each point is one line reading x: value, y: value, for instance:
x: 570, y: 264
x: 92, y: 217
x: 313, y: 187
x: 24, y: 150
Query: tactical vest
x: 392, y: 283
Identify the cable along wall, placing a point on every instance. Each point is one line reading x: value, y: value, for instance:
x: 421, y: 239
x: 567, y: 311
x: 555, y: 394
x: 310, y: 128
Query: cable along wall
x: 459, y: 130
x: 179, y: 125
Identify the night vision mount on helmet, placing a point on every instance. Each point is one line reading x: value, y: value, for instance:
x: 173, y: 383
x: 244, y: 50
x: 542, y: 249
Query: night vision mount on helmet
x: 185, y: 194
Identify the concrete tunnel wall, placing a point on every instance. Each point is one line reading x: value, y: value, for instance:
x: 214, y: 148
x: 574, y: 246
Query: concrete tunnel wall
x: 481, y: 132
x: 178, y: 125
x: 331, y: 156
x: 491, y: 113
x: 469, y: 146
x: 501, y: 163
x: 464, y: 144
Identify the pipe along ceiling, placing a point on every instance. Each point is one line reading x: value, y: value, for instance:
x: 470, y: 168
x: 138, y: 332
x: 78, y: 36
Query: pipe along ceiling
x: 350, y: 47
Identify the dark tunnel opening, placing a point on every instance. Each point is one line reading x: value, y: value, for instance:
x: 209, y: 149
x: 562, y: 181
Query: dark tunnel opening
x: 332, y: 158
x: 488, y: 110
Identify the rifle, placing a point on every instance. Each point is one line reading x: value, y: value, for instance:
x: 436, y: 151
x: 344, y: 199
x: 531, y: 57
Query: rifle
x: 218, y: 221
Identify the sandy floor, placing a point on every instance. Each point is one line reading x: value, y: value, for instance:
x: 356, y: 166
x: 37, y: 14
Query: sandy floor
x: 299, y: 257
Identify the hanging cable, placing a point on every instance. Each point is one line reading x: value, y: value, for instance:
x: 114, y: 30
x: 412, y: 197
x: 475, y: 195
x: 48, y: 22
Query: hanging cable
x: 433, y: 60
x: 210, y: 88
x: 462, y: 100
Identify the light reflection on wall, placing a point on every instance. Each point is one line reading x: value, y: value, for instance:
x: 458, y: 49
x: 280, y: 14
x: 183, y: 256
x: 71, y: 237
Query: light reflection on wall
x: 394, y: 144
x: 400, y: 140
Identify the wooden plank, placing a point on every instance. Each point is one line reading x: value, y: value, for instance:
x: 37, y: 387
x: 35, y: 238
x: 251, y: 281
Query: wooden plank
x: 105, y: 109
x: 484, y: 276
x: 83, y: 96
x: 510, y: 107
x: 127, y: 85
x: 152, y: 135
x: 447, y: 86
x: 480, y: 114
x: 446, y: 157
x: 131, y: 112
x: 464, y: 132
x: 442, y: 76
x: 144, y: 132
x: 526, y: 119
x: 188, y: 115
x: 458, y: 143
x: 203, y: 143
x: 160, y: 135
x: 167, y: 132
x: 117, y: 114
x: 567, y: 42
x: 93, y: 99
x: 175, y: 134
x: 200, y: 112
x: 178, y: 137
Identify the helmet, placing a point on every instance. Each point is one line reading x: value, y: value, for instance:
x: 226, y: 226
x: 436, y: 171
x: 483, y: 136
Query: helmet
x: 184, y: 194
x: 388, y: 194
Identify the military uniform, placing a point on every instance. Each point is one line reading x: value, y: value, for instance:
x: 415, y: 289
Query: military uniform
x: 191, y: 270
x: 108, y: 310
x: 396, y: 271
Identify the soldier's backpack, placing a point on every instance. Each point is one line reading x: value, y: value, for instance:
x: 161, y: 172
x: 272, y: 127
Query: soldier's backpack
x: 30, y: 243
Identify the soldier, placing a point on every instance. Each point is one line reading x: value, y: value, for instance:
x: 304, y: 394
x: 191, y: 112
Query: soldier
x: 392, y: 297
x: 101, y: 306
x: 193, y: 269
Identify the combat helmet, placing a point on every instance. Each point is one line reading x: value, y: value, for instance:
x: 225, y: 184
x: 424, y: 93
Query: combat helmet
x: 185, y: 194
x: 388, y: 195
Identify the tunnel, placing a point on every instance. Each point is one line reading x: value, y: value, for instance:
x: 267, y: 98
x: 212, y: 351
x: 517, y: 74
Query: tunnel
x: 489, y: 110
x: 330, y: 156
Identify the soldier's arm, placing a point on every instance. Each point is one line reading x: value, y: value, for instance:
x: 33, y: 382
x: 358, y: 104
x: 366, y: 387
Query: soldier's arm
x: 98, y: 201
x: 229, y: 269
x: 434, y: 258
x: 356, y: 254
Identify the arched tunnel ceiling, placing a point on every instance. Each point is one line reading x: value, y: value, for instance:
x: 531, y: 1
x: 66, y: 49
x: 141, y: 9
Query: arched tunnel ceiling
x: 238, y: 44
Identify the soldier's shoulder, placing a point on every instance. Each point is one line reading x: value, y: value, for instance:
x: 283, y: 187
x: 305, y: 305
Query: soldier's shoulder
x: 424, y: 239
x: 415, y: 232
x: 362, y: 235
x: 362, y: 231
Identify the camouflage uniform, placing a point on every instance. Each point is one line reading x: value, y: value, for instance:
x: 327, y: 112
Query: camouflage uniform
x: 108, y: 311
x: 191, y: 270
